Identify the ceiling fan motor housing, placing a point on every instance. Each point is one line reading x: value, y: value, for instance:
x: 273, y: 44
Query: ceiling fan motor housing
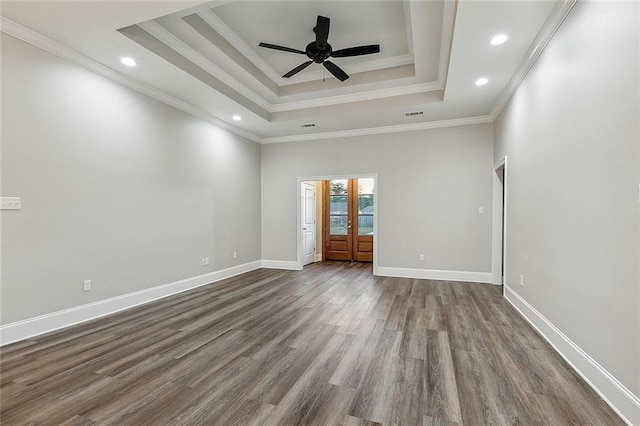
x: 316, y: 54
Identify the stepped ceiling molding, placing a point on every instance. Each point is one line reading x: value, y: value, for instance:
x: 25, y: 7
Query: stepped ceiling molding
x: 204, y: 58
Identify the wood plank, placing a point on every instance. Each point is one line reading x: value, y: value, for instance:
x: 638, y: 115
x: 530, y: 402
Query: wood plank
x: 375, y: 392
x: 407, y: 405
x: 356, y: 361
x: 307, y: 399
x: 441, y: 389
x: 414, y: 334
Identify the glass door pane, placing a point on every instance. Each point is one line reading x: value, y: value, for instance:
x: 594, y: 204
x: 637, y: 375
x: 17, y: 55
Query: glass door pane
x: 338, y: 207
x: 365, y: 206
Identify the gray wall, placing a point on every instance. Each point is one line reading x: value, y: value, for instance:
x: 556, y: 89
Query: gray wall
x: 430, y: 186
x: 572, y: 137
x: 116, y: 188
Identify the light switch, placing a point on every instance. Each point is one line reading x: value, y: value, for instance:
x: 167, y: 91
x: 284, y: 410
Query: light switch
x: 10, y: 203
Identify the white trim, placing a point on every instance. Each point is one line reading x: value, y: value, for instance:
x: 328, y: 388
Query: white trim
x: 408, y: 27
x: 31, y: 327
x: 160, y: 33
x: 361, y: 96
x: 318, y: 257
x: 210, y: 17
x: 38, y: 40
x: 42, y: 42
x: 315, y: 236
x: 281, y: 264
x: 380, y: 130
x: 614, y: 393
x: 170, y: 40
x: 446, y: 41
x: 228, y: 34
x: 434, y: 274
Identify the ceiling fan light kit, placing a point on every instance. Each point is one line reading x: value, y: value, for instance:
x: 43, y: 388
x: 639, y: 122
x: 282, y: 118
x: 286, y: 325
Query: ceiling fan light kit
x: 319, y: 51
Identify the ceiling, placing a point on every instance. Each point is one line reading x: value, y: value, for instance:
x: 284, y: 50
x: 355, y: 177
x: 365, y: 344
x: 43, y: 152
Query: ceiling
x: 203, y: 57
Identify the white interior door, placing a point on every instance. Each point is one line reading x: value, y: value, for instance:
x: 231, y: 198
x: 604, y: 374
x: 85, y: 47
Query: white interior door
x: 308, y: 222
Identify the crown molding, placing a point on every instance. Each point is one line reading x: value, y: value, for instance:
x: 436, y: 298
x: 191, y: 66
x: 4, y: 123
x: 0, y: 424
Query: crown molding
x: 446, y: 41
x: 380, y: 130
x: 357, y: 97
x: 533, y: 53
x: 210, y: 17
x: 173, y: 42
x: 228, y: 34
x: 179, y: 46
x: 546, y: 34
x: 40, y: 41
x: 408, y: 27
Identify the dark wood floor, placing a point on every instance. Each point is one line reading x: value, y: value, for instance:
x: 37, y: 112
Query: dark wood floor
x: 331, y: 344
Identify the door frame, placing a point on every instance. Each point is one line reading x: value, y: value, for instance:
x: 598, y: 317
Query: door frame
x: 499, y: 225
x: 315, y: 219
x: 376, y: 238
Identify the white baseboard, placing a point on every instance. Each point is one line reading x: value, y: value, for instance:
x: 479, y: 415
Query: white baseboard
x: 434, y: 274
x: 318, y: 257
x: 619, y: 398
x: 280, y: 264
x: 31, y: 327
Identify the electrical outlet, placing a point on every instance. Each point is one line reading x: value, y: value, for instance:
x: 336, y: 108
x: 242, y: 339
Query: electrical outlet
x: 204, y: 261
x: 481, y: 210
x: 422, y: 257
x: 235, y: 254
x: 87, y: 285
x: 521, y: 280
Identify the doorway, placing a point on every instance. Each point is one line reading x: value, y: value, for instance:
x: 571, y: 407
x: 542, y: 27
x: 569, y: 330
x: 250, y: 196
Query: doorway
x: 348, y: 219
x: 318, y: 180
x: 499, y: 234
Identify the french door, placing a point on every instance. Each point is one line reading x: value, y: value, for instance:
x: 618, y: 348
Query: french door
x: 348, y: 219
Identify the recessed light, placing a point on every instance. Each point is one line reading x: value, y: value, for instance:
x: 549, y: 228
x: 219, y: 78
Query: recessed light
x: 498, y: 39
x: 481, y: 81
x: 236, y: 118
x: 128, y: 62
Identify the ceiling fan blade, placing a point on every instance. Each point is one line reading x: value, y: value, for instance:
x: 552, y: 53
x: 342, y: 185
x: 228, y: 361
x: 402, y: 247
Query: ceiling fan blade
x: 297, y: 69
x: 356, y: 51
x: 283, y: 48
x: 335, y: 70
x: 322, y: 31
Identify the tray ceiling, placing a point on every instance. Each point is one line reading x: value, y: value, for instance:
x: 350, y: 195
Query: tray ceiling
x: 203, y: 57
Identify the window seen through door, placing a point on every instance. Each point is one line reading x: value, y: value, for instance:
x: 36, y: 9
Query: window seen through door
x: 338, y: 207
x: 365, y: 206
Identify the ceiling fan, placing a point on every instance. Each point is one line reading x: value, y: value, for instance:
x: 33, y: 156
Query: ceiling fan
x: 319, y: 51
